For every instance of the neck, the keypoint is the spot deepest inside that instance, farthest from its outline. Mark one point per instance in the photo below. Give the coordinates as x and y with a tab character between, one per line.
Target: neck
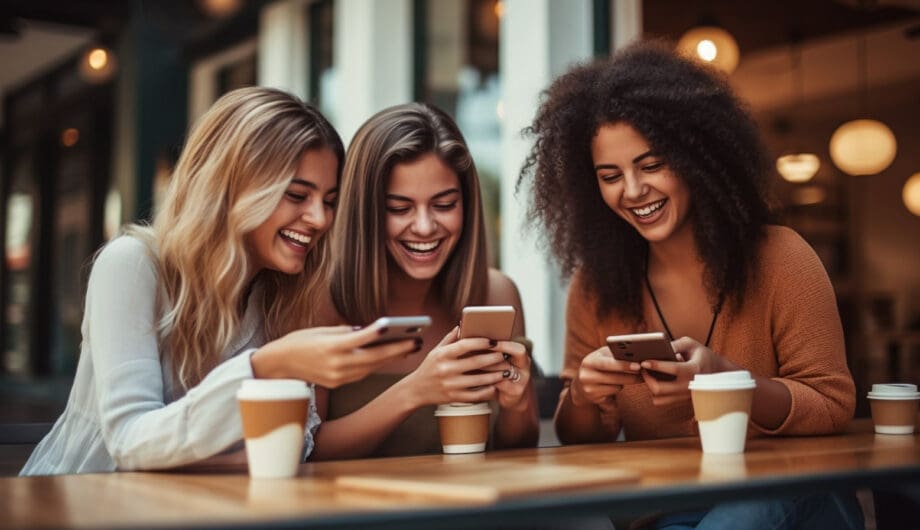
678	253
406	295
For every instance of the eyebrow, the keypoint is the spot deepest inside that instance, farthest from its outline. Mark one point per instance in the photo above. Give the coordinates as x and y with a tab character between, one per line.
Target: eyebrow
441	195
312	186
634	161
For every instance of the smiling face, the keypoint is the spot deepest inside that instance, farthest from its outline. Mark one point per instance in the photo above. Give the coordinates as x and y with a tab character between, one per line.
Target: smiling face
637	184
424	218
282	242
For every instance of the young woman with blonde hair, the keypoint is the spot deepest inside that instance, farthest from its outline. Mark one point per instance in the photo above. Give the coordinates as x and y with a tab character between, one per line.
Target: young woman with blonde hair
179	313
410	240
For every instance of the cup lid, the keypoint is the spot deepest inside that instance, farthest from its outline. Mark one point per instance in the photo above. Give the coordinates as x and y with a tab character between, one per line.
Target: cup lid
271	389
894	391
734	380
463	409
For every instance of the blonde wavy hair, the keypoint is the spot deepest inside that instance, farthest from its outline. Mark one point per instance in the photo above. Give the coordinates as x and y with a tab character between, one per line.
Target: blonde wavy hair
237	163
400	134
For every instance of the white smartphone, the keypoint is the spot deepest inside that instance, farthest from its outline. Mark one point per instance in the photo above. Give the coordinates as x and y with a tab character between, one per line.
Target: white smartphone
400	328
640	347
494	322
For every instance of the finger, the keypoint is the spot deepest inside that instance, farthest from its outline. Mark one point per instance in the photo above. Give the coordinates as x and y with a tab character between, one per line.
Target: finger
662	388
610	378
479	361
363	336
383	352
497	367
474	396
611	365
684	344
515	350
470	381
665	367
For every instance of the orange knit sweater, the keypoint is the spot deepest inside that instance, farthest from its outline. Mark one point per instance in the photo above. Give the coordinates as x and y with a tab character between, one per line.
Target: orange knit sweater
788	329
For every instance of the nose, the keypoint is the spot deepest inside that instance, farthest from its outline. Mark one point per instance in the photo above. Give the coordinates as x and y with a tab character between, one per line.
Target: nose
424	224
635	185
314	214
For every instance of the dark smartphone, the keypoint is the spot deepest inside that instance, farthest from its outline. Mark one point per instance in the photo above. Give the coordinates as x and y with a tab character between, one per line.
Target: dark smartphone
643	347
400	328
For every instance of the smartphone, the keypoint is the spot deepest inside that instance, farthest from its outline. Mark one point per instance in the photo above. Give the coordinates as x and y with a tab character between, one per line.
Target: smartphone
494	322
643	347
400	328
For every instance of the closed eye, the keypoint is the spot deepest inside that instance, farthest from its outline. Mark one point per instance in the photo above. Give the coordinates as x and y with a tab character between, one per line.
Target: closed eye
653	167
611	177
295	197
446	206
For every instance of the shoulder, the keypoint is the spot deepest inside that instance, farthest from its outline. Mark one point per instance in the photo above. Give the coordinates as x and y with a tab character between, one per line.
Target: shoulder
502	289
124	257
787	259
783	248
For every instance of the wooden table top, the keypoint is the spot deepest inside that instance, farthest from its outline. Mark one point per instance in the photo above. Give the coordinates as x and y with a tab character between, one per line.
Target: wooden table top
666	474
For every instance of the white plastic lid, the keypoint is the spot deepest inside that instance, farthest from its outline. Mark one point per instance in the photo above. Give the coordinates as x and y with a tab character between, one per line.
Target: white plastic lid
463	409
735	380
894	391
272	389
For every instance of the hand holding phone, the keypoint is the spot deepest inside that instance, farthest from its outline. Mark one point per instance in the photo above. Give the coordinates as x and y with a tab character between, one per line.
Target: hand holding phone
399	328
639	347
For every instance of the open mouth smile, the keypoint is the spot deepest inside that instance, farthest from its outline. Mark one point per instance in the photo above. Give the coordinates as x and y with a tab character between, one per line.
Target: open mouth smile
421	248
295	238
648	210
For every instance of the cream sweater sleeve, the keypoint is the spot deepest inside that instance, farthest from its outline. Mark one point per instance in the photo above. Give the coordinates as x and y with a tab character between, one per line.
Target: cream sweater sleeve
140	429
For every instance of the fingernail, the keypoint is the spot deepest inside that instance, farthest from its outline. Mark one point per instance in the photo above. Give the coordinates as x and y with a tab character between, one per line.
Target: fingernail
493	342
418	348
383	330
418	342
506	373
355	328
506	356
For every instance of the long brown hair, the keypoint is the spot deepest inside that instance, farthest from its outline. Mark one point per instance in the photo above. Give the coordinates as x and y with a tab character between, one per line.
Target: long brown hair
237	163
359	272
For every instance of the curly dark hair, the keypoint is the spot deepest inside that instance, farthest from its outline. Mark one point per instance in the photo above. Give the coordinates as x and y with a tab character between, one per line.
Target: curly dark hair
690	117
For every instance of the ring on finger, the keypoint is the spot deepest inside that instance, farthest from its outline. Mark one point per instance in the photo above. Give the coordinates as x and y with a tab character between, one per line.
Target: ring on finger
515	375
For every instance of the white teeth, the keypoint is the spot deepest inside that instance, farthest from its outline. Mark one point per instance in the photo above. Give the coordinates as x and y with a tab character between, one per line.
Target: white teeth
646	211
296	236
421	247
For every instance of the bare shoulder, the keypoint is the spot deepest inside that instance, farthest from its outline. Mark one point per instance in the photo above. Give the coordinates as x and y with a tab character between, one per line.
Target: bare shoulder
502	290
325	313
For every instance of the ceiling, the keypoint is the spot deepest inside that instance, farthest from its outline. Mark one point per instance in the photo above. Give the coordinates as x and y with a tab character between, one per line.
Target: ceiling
764	24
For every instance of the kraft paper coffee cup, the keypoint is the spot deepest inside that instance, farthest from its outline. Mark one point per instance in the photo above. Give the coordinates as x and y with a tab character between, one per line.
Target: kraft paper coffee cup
722	406
464	427
894	407
274	414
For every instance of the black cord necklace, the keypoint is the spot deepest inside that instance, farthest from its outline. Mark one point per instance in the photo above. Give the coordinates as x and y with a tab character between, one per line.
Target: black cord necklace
712	325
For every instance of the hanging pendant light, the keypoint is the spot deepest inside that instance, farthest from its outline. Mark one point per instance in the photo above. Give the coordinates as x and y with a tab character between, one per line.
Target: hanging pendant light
797	166
911	194
863	146
98	64
711	44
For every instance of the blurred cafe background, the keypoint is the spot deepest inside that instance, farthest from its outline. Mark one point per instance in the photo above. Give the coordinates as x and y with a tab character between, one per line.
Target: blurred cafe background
97	96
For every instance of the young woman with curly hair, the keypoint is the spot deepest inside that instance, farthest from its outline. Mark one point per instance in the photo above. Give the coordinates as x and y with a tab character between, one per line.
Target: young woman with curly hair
649	178
179	313
410	240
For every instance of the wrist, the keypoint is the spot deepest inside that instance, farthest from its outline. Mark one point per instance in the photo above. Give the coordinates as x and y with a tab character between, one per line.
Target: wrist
408	393
268	362
575	397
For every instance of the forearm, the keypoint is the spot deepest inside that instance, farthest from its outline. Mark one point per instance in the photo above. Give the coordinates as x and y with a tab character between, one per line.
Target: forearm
361	432
518	428
579	423
772	403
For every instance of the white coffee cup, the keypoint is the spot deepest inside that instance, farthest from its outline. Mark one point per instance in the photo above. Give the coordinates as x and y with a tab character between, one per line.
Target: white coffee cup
274	414
894	407
722	406
464	427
